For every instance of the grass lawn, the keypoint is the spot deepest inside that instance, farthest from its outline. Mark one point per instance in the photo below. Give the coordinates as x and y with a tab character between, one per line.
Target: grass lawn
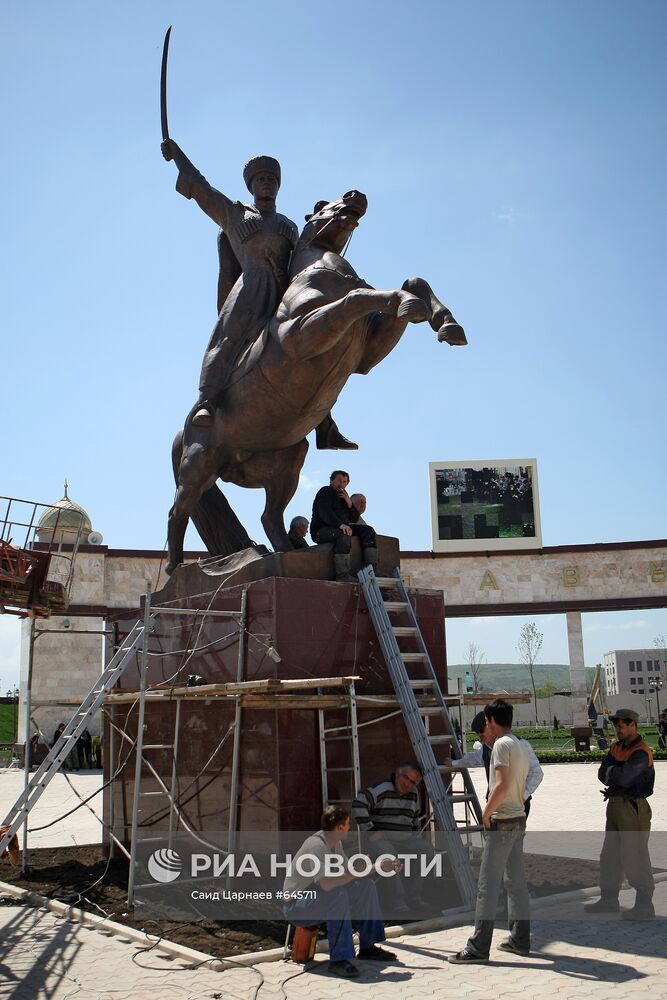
8	719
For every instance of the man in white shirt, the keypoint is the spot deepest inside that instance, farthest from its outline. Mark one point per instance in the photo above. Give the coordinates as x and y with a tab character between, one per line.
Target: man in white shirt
504	818
480	756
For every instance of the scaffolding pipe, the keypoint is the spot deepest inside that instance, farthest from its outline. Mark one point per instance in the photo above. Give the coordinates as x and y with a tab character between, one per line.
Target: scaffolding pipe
26	748
139	748
172	793
240	671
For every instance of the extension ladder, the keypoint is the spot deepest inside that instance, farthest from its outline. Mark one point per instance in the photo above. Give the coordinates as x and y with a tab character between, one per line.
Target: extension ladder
412	673
52	763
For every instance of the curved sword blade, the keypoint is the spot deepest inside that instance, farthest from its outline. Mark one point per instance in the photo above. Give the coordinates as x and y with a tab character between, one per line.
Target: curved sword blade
163	86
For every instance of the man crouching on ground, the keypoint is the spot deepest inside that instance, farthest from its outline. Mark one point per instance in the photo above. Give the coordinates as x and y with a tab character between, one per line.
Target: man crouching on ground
339	899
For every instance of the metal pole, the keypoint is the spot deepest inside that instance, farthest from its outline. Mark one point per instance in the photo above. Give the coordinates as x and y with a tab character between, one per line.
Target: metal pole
657	684
323	754
240	672
112	771
138	750
172	792
26	769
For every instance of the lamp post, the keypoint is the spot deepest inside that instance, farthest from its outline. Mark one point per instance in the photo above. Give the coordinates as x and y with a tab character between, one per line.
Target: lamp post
655	684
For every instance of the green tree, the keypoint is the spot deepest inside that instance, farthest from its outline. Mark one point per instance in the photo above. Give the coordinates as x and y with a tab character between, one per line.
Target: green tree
546	690
529	646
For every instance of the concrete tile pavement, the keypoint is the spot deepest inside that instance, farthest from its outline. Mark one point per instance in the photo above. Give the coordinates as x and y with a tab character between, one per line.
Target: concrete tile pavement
575	957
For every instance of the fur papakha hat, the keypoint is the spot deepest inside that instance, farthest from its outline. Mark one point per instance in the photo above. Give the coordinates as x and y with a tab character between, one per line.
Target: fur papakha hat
256	165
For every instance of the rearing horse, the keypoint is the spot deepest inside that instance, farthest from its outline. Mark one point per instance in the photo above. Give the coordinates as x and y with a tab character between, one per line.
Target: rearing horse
329	325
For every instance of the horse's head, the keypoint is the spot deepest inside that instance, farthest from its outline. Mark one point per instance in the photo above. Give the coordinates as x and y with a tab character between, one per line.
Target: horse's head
331	222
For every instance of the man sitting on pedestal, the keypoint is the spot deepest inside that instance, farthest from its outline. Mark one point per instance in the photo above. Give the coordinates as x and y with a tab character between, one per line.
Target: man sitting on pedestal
298	530
335	519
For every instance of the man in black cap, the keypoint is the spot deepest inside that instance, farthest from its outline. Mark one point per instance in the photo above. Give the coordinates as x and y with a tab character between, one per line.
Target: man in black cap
629	776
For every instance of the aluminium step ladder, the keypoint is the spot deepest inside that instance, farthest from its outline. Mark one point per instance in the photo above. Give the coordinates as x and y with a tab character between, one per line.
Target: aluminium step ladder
349	733
52	763
412	673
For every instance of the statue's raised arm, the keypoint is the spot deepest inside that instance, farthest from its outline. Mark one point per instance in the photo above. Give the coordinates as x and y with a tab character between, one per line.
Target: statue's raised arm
192	184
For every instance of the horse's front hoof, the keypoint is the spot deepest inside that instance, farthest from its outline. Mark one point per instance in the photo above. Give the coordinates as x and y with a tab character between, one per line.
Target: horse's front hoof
452	334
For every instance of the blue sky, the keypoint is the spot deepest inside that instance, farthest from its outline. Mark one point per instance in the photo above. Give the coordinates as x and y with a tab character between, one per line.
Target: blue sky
514	154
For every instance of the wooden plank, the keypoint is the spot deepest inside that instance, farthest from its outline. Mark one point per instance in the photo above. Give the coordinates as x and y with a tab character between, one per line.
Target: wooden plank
208	691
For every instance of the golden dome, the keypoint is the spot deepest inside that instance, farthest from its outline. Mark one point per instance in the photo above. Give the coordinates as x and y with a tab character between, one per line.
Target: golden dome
67	518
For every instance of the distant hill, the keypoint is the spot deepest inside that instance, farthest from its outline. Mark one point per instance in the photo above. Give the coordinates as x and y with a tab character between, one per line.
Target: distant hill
516	676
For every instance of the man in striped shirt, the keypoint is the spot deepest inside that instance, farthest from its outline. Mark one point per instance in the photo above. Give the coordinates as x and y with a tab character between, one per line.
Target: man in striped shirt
388	815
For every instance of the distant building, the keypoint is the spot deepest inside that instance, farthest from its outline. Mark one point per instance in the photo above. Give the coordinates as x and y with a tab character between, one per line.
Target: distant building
628	671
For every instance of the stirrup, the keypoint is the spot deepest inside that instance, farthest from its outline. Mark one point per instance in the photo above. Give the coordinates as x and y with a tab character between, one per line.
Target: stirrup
203	417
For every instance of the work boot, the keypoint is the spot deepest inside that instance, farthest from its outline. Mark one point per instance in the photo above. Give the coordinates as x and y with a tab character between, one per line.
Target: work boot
371	558
605	904
642	910
328	437
342	568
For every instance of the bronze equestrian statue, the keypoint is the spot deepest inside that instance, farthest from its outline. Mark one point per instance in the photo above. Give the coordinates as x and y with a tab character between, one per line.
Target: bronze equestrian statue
328	325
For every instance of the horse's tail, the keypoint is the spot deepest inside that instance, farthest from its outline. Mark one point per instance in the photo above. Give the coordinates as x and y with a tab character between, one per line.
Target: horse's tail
218	526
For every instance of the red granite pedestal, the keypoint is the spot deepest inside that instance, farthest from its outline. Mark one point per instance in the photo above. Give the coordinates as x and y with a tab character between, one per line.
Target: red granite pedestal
318	629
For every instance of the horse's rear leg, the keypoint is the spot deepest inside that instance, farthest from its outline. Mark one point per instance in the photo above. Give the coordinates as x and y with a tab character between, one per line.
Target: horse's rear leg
441	320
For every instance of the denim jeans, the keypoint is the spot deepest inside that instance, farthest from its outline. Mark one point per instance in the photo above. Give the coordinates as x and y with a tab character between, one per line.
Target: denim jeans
357	901
502	860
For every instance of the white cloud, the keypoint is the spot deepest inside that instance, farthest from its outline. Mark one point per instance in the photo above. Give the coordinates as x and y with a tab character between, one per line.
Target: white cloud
506	215
630	626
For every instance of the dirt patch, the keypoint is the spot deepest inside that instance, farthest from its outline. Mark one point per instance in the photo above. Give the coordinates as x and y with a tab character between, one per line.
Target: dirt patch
81	876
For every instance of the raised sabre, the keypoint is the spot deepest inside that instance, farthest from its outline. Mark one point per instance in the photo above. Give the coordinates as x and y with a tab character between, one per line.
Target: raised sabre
163	87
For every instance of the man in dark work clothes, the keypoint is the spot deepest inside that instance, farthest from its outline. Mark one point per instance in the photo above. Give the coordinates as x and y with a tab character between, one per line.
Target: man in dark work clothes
335	520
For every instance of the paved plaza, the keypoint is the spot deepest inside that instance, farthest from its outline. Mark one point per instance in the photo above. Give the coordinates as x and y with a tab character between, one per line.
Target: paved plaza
575	956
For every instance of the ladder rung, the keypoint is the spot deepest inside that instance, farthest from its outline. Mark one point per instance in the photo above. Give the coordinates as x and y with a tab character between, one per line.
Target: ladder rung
387	581
441	739
158	792
403	630
471	829
413	658
430	711
331	770
157	746
461	797
421	683
396	605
